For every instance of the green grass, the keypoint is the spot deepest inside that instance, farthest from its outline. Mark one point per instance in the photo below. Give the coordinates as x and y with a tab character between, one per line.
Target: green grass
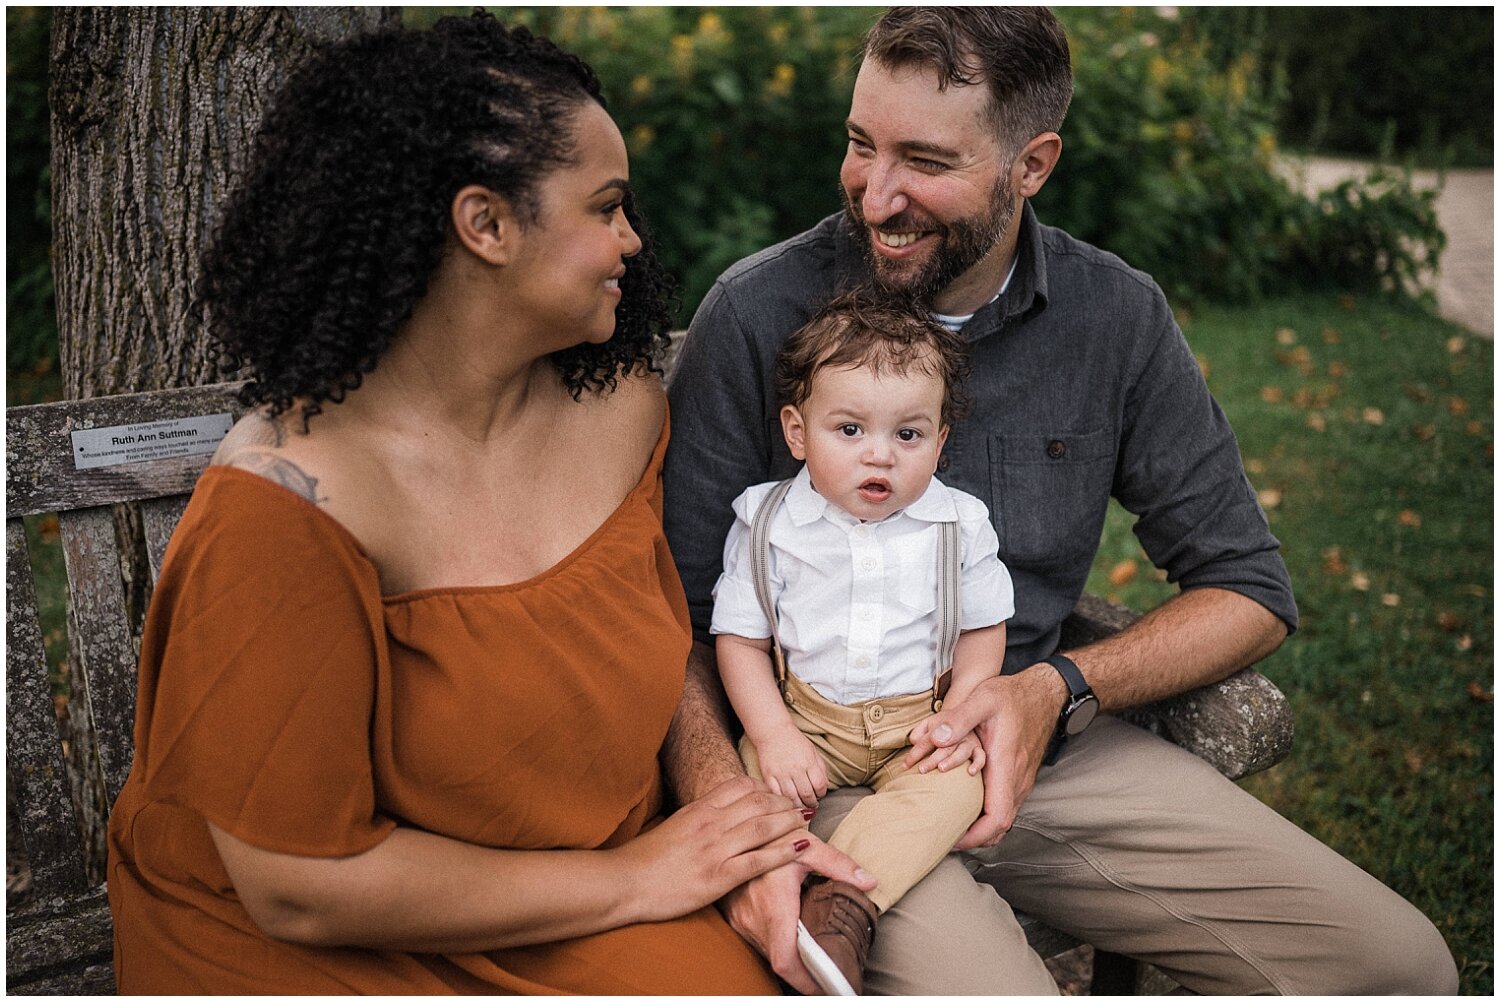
1368	429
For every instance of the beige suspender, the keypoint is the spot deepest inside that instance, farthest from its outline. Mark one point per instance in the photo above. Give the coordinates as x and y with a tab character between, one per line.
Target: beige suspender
948	602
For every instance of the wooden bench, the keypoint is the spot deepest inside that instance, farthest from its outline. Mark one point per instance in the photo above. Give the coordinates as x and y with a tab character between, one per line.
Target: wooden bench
60	939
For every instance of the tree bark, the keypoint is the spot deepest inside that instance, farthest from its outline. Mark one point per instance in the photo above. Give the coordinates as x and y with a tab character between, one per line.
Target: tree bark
153	111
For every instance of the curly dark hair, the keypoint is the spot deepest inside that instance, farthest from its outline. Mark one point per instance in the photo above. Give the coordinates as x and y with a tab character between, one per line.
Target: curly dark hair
874	327
342	216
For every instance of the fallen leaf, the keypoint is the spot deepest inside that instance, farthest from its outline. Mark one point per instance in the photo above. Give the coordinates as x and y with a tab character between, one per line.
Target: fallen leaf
1465	642
1359	581
1317	422
1255	466
1271	394
1413	762
1338	370
1449	622
1333	561
1302	397
1373	415
1390	599
1477	694
1455	345
1286	336
1474	427
1331	336
46	528
1301	355
1409	518
1269	498
1458	406
1122	573
1346	302
1424	432
1417	393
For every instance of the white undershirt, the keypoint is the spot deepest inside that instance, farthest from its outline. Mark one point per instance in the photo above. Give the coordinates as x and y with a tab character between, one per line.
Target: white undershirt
956	324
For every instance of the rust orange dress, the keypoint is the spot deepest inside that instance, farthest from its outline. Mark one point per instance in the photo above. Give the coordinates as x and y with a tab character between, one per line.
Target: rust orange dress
288	701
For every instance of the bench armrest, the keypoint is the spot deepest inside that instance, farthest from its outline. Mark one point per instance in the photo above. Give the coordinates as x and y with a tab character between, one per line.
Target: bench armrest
1241	725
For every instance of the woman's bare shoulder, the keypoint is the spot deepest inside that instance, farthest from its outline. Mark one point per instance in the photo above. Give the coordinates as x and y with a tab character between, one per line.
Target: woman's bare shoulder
275	449
632	414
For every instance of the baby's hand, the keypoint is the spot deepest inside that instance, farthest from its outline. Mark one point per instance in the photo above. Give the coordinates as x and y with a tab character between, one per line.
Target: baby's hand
792	767
926	755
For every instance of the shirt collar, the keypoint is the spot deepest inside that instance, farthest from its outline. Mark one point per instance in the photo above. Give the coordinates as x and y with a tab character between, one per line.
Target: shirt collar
804	505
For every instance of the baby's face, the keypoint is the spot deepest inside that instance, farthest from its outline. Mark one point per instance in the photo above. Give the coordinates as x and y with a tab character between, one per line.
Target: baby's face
871	443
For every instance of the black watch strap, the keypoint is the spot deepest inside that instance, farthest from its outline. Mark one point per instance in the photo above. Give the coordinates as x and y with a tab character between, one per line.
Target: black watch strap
1079	693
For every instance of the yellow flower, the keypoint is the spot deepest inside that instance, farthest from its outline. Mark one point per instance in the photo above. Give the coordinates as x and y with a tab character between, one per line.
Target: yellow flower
1266	144
682	54
641	86
710	24
1237	84
782	79
1160	69
778	33
641	138
1182	130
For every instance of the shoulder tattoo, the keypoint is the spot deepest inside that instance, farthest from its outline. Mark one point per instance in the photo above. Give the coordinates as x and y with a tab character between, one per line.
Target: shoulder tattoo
280	471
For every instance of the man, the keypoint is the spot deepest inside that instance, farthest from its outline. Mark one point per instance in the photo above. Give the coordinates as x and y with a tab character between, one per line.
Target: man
1083	388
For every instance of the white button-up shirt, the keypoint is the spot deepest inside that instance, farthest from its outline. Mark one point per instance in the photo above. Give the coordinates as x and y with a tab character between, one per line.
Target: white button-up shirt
857	601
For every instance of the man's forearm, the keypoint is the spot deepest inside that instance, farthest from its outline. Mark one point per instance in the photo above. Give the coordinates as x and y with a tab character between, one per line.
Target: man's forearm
698	753
1194	639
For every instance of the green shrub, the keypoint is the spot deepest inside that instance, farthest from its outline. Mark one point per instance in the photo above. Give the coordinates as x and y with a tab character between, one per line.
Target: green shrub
1169	162
1420	78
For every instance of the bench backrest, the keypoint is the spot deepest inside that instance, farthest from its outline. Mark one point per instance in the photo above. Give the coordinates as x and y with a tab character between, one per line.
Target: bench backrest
78	460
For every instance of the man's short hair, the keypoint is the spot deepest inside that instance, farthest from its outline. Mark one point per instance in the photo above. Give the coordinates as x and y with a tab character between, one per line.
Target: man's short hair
1020	52
872	328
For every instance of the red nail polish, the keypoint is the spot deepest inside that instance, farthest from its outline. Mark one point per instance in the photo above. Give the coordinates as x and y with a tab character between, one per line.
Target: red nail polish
800	844
807	813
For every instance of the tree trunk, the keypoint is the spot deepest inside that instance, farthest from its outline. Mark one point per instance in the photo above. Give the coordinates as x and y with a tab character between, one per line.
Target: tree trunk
153	113
153	110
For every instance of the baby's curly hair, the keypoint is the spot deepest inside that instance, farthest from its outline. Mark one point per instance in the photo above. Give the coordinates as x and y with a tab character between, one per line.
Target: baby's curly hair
343	213
881	330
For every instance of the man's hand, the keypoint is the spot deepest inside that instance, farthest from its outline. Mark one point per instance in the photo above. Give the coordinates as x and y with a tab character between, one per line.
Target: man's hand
1015	716
764	911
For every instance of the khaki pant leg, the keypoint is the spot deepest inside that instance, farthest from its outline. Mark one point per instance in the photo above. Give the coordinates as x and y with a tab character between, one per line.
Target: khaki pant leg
1139	847
910	823
948	935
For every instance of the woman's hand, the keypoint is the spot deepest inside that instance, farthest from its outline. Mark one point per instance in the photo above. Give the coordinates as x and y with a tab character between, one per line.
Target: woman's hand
791	766
713	845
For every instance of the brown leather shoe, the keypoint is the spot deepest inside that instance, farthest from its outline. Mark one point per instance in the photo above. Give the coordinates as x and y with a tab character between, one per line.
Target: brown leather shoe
840	924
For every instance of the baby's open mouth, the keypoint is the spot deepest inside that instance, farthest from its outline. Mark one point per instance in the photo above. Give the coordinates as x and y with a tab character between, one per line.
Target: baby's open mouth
875	490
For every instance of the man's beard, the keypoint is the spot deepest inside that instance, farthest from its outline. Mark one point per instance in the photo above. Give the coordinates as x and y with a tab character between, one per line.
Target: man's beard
963	244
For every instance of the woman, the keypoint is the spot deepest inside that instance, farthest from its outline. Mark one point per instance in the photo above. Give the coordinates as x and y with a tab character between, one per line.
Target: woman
418	639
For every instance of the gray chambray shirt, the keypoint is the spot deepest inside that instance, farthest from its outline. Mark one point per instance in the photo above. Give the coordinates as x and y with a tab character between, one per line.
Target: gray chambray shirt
1083	387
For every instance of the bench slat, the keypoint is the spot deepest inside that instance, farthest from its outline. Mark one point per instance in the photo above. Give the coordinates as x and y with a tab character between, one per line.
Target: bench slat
40	471
67	950
104	656
160	516
33	753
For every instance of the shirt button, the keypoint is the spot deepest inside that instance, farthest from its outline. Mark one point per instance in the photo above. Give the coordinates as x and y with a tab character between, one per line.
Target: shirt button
1056	449
876	712
868	563
866	615
862	661
860	530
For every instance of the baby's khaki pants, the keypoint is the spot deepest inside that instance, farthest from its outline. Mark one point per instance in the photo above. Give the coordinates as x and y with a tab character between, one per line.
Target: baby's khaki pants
913	819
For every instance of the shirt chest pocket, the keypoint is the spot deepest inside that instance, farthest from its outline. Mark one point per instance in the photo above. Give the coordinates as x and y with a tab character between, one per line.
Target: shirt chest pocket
1050	492
915	572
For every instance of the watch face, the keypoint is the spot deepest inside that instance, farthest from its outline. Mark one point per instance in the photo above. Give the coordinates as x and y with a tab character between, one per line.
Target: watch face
1083	713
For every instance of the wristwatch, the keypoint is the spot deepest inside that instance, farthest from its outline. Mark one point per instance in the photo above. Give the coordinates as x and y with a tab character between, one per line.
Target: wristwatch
1078	713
